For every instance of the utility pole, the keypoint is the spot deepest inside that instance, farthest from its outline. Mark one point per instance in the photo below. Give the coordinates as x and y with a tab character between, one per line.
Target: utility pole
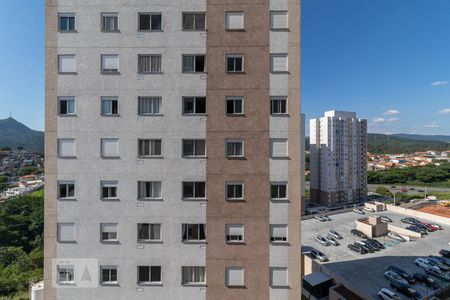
394	199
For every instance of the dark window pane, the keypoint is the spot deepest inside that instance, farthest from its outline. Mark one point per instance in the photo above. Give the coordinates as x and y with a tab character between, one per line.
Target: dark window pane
63	107
155	274
200	63
202	234
283	107
238	106
105	192
144	22
71	23
195	232
188	106
230	64
274	192
230	107
238	191
200	105
63	190
188	147
200	190
144	274
230	191
156	22
143	230
188	190
200	147
71	190
238	62
200	21
113	274
188	21
115	107
282	191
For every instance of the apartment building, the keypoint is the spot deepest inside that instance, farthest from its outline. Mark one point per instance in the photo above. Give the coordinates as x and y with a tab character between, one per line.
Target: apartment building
173	149
338	154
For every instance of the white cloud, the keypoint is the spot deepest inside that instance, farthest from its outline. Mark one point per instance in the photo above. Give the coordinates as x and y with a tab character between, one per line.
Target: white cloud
444	111
438	83
391	112
379	120
390	120
432	125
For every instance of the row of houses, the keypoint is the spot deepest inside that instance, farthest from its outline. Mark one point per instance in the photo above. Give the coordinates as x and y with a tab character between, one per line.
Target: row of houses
389	161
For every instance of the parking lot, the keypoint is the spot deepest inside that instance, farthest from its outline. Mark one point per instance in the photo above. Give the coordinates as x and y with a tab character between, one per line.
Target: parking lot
366	271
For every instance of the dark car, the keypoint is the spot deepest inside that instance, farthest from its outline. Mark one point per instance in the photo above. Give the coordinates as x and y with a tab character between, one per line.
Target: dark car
411	221
358	233
417	229
379	245
357	248
427	280
319	255
385	219
441	259
402	273
406	290
445	253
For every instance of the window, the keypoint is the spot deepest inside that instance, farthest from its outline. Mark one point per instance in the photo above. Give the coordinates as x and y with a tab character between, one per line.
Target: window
279	276
234	105
193	148
148	190
149	148
108	275
110	22
278	233
66	22
278	148
193	232
235	233
148	64
279	20
66	274
148	275
193	275
235	20
194	63
110	106
109	232
235	148
235	190
149	232
66	190
110	148
150	21
194	105
278	105
66	148
194	190
234	276
194	21
235	63
109	190
148	106
278	191
279	63
66	232
67	64
66	106
110	63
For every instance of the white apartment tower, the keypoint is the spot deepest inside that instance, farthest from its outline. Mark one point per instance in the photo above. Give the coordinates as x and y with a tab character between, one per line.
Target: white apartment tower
338	159
173	149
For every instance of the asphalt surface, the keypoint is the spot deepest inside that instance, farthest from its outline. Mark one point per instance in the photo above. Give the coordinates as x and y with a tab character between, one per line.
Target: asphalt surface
366	271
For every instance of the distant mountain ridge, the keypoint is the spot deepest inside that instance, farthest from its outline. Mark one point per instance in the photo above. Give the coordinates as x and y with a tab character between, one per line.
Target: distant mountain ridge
16	135
421	137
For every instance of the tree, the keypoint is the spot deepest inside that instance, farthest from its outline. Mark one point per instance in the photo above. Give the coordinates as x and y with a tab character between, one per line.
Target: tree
382	190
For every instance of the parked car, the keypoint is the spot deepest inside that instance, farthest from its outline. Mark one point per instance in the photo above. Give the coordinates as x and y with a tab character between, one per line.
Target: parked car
417	229
393	276
368	248
321	240
441	259
422	227
430	227
411	189
377	243
439	264
393	186
358	211
421	191
319	255
427	280
438	226
396	237
357	248
445	253
425	263
406	290
332	240
358	233
411	221
335	234
369	209
402	273
385	219
387	294
438	273
321	218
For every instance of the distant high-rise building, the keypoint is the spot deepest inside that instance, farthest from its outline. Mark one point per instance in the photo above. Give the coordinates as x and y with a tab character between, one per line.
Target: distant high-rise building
338	159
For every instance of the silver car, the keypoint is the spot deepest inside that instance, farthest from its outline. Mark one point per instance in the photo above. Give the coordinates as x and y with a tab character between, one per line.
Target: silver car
396	237
335	234
332	240
321	240
393	276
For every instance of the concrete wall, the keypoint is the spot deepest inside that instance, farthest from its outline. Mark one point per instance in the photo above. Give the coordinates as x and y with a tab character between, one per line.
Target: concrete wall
412	235
419	214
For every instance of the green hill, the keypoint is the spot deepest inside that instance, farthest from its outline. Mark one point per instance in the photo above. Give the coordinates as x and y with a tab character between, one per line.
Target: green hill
14	134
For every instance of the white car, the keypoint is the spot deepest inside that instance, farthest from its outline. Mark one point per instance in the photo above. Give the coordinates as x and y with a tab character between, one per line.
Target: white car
321	218
424	263
396	237
369	209
393	276
387	294
358	211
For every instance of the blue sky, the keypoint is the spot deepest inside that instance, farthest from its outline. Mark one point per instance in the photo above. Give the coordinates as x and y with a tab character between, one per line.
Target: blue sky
387	60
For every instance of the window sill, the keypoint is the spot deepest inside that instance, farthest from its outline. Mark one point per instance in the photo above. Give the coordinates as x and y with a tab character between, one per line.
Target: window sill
150	199
195	199
279	72
235	200
151	73
67	31
110	242
235	30
279	200
67	73
194	30
235	242
235	115
110	157
236	286
194	242
112	284
151	157
149	30
67	283
236	157
194	114
196	73
110	116
279	115
150	241
280	29
279	286
67	242
235	72
150	284
67	115
109	73
110	31
280	157
67	157
67	199
193	157
277	243
150	115
110	199
202	284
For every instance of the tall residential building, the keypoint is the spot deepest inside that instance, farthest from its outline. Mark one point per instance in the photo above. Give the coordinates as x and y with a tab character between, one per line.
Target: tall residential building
173	149
338	159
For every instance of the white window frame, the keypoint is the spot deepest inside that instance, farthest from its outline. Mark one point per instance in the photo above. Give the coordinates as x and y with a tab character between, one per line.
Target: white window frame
149	240
109	184
67	15
234	141
195	14
151	14
279	140
279	12
67	99
195	196
195	71
152	99
69	270
230	237
234	183
152	188
278	240
272	284
193	270
227	276
193	240
59	226
74	148
278	55
228	24
102	149
102	231
66	183
61	57
272	104
151	147
278	184
194	155
234	99
109	282
110	100
194	99
105	15
150	57
150	282
109	71
234	56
